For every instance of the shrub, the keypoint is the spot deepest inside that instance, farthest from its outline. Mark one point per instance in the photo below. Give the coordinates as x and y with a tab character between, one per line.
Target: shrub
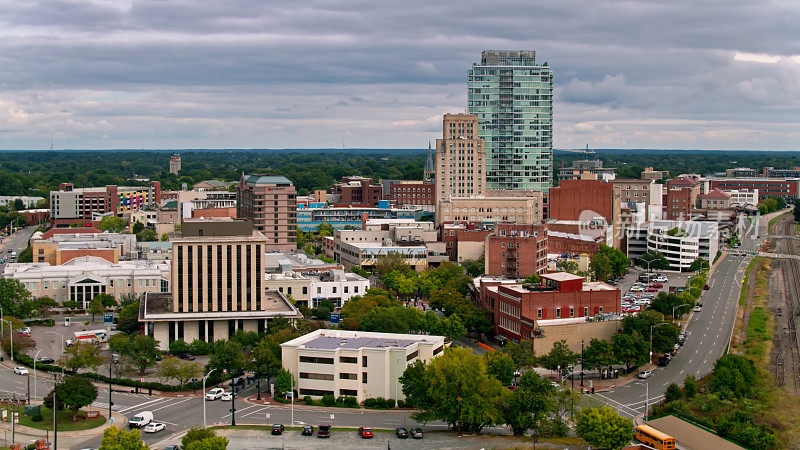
328	400
390	403
31	447
401	403
351	402
380	403
308	400
369	403
37	418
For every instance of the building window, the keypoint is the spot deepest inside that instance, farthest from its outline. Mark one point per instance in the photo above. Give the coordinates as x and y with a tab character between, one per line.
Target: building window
348	392
316	376
413	355
558	313
348	376
539	313
363	361
348	359
364	377
437	350
571	311
316	360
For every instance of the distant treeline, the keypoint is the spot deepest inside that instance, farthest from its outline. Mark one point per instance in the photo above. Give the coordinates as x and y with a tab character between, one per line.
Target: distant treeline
37	172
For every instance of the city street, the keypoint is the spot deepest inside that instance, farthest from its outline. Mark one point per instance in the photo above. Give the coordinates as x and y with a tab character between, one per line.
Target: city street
16	242
708	335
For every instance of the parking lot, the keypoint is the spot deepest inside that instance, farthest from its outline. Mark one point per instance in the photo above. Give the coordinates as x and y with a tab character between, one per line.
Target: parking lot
635	294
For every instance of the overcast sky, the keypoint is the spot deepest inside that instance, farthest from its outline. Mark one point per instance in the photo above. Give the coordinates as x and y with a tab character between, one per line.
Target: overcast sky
259	74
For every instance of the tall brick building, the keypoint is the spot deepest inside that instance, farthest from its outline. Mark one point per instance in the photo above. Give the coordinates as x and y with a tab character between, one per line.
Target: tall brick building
573	197
355	190
460	159
270	202
516	250
681	196
411	193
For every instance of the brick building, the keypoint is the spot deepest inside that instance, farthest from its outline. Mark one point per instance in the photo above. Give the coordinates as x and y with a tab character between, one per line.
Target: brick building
516	250
767	187
573	197
681	198
70	205
515	309
411	193
355	190
270	203
464	241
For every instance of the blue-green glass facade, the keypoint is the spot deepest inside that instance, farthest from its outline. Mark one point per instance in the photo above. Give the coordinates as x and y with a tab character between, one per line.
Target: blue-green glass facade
513	99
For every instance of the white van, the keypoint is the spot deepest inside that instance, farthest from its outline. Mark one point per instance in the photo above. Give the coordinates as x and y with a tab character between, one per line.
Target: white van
141	419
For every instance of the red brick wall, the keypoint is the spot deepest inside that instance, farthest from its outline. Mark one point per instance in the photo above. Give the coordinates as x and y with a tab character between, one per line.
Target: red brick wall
572	197
107	254
558	245
214	212
412	193
516	256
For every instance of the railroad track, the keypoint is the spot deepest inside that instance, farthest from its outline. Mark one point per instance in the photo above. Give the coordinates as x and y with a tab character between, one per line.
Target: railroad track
788	357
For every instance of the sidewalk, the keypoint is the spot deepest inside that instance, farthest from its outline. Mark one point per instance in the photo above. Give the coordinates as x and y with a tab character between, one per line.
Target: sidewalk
27	435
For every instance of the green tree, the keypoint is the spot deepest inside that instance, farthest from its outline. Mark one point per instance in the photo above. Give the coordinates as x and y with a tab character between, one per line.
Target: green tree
602	427
530	403
81	356
22	343
128	319
619	262
212	443
735	376
690	386
111	223
660	261
18	204
140	349
283	381
459	391
522	353
120	439
137	227
672	393
147	236
178	347
164	237
15	300
560	356
96	307
195	434
500	366
228	355
630	348
43	305
392	262
598	355
356	308
698	264
75	393
107	300
533	279
451	327
601	267
25	256
179	370
475	268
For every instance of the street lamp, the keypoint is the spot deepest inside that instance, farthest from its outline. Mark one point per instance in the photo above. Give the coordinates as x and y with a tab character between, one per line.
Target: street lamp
35	392
651	338
114	360
676	307
204	395
63	339
11	336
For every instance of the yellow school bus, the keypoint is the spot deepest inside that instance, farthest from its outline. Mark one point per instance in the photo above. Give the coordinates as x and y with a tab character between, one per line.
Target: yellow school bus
654	438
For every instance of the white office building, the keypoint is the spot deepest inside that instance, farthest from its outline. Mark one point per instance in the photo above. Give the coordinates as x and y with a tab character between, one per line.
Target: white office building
681	242
355	363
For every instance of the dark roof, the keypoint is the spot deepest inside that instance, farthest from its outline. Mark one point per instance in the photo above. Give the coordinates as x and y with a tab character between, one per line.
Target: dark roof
267	179
716	193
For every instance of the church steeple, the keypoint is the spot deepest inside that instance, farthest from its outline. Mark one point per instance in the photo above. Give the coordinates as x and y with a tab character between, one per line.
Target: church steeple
430	167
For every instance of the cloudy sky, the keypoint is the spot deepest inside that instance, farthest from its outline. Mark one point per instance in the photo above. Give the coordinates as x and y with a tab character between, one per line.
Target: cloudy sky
721	74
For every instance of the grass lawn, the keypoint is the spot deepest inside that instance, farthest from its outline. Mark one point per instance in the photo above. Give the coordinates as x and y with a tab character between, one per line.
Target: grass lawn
65	422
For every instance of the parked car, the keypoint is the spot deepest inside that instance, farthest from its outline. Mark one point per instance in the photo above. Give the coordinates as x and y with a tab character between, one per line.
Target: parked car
651	289
645	374
172	447
416	433
365	432
20	370
706	287
236	381
187	356
657	285
46	360
663	360
154	427
214	394
226	396
140	420
401	433
697	309
324	431
308	430
277	429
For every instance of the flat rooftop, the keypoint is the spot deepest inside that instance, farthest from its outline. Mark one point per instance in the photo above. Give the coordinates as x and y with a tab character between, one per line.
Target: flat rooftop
561	276
159	307
335	339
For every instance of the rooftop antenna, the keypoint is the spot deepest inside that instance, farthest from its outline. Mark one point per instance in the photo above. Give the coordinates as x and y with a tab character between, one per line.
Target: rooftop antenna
51	139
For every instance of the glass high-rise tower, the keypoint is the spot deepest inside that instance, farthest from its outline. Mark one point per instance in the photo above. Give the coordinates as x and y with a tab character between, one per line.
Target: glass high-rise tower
513	99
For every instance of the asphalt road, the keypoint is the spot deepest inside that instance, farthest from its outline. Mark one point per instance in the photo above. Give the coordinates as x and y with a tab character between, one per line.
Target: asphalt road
708	336
17	242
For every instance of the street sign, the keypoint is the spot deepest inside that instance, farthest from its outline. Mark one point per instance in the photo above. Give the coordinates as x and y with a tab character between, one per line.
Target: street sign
108	318
332	417
268	416
111	421
66	321
334	317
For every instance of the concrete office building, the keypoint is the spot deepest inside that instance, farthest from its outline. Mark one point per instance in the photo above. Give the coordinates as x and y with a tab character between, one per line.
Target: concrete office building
681	242
83	278
460	159
62	247
70	205
357	364
512	97
270	203
218	285
582	167
788	188
495	206
649	174
175	164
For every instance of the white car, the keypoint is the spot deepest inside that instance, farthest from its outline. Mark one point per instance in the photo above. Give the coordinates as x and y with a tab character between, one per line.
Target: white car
637	289
696	309
20	370
214	394
154	427
645	374
226	397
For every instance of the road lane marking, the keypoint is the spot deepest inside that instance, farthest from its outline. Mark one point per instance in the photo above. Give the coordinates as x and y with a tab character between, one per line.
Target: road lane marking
140	405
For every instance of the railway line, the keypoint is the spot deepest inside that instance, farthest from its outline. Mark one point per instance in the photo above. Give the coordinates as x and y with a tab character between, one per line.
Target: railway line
786	350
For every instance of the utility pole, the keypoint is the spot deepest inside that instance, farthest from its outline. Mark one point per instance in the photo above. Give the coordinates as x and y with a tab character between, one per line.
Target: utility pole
458	406
233	406
55	418
581	362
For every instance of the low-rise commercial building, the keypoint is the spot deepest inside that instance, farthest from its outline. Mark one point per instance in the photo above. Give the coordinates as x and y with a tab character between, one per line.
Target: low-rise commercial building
715	199
493	207
357	364
412	193
366	255
516	250
83	278
681	197
70	205
788	188
649	174
581	167
681	242
464	241
310	216
516	309
62	247
356	191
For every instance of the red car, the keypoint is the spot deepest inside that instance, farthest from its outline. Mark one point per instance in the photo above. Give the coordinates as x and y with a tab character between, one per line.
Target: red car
652	289
657	285
365	432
